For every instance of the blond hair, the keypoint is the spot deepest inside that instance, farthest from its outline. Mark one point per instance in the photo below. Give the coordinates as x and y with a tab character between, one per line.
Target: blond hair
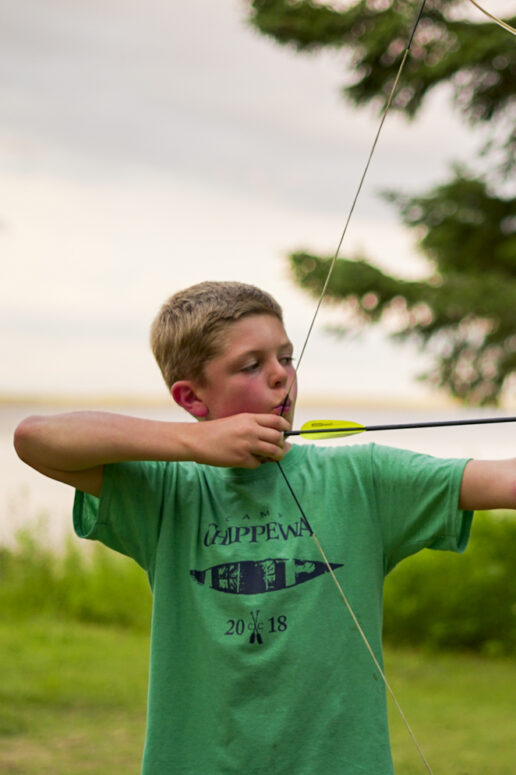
189	329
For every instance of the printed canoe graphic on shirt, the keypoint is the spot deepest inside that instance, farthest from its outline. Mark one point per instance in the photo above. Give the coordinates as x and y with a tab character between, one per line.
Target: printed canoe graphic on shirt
250	577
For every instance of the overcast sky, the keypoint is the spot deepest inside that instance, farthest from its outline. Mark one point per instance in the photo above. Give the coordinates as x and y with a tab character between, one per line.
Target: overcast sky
145	146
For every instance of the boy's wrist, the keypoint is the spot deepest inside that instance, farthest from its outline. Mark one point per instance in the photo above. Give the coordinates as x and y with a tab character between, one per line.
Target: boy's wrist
186	440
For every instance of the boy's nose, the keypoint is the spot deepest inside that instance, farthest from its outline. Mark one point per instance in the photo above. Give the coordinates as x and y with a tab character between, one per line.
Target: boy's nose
278	375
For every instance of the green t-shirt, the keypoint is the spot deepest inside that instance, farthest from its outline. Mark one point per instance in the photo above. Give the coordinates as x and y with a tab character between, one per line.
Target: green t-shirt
256	665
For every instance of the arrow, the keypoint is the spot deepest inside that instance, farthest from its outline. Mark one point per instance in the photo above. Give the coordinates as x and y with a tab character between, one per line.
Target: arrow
327	429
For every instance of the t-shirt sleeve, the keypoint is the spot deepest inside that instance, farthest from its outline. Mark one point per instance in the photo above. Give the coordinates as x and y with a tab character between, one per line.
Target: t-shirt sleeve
127	516
418	500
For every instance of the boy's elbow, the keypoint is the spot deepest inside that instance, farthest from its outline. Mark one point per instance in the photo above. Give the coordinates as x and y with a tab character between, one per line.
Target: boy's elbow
26	436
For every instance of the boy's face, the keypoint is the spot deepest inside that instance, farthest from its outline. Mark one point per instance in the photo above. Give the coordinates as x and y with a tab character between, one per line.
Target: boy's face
253	371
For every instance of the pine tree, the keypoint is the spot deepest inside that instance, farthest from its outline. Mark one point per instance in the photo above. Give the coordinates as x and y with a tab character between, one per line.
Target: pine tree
464	313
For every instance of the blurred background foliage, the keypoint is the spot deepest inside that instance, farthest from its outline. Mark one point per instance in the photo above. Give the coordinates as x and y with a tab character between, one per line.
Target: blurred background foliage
83	583
436	600
458	602
463	313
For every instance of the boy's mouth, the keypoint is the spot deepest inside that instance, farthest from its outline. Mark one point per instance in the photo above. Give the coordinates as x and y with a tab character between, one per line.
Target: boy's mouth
282	408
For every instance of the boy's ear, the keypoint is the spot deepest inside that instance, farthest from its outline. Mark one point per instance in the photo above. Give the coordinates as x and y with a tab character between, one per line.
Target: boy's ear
184	394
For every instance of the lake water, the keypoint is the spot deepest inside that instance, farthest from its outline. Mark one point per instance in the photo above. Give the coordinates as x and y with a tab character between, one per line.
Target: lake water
26	497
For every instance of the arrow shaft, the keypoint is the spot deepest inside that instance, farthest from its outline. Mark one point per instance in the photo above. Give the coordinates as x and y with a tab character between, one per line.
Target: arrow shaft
407	426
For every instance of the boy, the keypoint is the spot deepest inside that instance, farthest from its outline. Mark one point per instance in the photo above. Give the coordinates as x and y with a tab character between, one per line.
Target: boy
255	664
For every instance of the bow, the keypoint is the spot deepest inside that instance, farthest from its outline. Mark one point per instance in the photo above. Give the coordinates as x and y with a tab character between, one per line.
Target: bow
324	429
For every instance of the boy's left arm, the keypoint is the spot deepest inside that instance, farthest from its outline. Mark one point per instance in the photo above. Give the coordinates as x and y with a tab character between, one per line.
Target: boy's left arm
488	484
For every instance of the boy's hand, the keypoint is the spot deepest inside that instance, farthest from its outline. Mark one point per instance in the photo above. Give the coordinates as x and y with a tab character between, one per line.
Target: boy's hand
242	440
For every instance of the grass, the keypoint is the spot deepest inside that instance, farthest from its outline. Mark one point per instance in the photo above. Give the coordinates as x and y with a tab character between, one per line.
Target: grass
73	695
72	698
461	708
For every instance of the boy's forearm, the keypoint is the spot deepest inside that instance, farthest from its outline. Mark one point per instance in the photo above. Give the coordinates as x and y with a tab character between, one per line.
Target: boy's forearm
82	440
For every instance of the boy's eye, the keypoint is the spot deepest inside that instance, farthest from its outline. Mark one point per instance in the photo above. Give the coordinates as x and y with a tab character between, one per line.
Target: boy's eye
250	366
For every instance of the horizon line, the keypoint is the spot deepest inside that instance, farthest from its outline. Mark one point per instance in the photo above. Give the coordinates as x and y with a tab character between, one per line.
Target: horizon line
110	399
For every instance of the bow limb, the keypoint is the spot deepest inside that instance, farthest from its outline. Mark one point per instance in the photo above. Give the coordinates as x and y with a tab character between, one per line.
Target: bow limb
495	19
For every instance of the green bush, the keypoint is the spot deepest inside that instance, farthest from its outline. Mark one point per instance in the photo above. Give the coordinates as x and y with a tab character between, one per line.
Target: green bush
450	601
89	584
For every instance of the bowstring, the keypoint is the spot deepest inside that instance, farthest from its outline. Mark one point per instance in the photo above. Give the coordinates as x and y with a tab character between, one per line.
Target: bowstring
289	389
357	194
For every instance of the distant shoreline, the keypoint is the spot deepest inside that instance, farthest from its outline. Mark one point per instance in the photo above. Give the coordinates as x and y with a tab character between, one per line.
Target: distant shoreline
437	401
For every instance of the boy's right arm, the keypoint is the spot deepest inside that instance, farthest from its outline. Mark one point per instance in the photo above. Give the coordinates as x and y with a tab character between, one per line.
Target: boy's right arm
74	447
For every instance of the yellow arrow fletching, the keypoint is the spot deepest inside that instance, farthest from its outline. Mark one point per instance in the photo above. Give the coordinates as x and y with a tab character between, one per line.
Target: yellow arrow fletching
329	429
